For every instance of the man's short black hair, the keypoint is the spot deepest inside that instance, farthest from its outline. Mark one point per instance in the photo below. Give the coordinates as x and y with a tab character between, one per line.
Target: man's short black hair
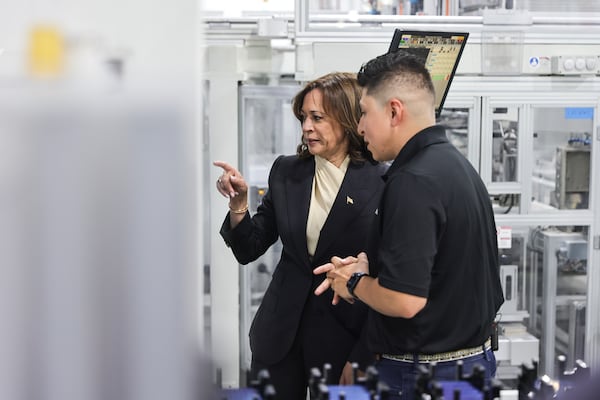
388	67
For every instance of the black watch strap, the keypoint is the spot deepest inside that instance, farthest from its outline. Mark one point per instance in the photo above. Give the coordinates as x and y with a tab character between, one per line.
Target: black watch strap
353	281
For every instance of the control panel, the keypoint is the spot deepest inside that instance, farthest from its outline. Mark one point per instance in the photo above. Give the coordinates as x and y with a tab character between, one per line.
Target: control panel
575	65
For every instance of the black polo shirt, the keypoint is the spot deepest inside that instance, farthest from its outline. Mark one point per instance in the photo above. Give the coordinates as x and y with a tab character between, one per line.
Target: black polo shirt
436	238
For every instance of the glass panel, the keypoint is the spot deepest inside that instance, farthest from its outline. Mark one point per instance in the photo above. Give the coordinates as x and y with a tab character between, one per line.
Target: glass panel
561	163
505	143
375	7
268	129
506	203
544	277
206	215
561	6
456	122
448	8
558	287
477	7
514	314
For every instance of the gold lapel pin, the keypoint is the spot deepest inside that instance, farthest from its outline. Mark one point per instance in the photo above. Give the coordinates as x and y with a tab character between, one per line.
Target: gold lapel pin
349	200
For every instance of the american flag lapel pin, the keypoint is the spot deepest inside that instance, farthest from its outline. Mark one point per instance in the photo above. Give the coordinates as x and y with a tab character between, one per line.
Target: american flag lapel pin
349	200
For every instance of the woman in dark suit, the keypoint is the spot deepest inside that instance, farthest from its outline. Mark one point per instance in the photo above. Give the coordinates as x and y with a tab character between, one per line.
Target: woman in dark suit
320	202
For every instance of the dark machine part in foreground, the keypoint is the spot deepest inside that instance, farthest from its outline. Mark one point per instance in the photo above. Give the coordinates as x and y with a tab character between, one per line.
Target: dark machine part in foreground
259	389
465	387
533	387
368	387
471	386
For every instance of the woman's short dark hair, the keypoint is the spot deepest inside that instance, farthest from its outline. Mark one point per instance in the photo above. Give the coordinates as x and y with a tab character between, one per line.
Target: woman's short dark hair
341	97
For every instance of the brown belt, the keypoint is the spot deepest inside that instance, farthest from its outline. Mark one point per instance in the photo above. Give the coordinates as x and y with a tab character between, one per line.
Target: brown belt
440	357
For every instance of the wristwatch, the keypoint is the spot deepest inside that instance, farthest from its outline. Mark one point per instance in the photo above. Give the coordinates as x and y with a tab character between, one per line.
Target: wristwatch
353	281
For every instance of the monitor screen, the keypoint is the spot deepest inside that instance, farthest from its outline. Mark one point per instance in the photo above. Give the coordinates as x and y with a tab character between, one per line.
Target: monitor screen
440	52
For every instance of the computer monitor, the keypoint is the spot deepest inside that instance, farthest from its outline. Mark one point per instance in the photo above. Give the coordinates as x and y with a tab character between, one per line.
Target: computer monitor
440	51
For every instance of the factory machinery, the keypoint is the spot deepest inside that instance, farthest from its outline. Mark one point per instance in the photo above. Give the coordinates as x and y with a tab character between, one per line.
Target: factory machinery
519	109
544	277
543	267
465	387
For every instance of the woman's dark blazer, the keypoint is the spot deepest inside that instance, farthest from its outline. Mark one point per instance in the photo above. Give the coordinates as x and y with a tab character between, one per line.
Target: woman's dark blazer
283	213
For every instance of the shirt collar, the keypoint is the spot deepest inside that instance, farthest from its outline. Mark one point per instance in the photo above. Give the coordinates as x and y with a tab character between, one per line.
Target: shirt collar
426	137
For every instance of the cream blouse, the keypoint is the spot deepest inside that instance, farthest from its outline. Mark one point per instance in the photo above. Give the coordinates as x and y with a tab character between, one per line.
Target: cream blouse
326	184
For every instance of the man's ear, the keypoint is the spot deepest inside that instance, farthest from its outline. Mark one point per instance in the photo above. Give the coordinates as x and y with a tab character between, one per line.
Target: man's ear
396	109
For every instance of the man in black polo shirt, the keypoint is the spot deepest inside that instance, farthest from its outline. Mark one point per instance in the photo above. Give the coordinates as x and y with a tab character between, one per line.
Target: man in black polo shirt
431	278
